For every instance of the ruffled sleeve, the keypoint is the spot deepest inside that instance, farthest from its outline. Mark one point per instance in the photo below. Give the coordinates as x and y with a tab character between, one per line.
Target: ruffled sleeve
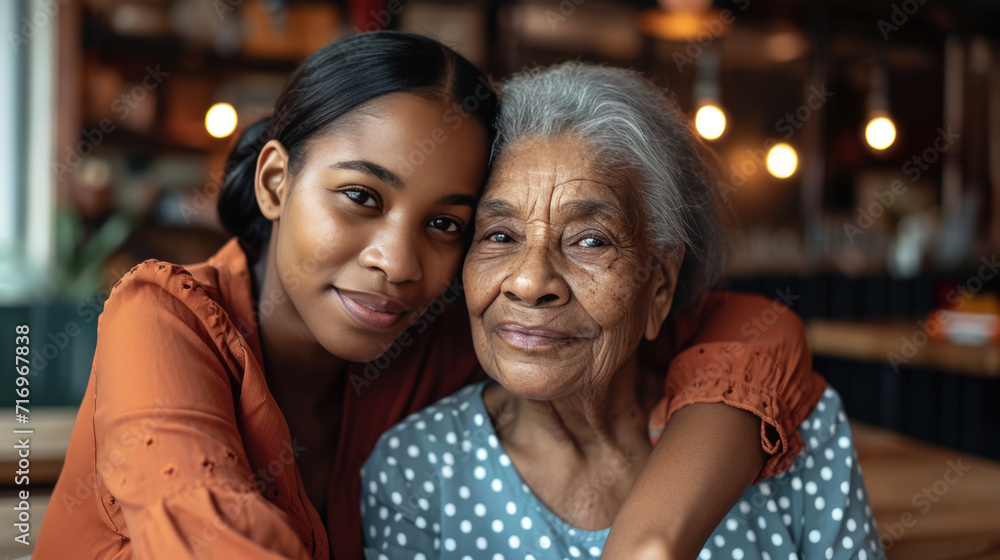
170	459
749	352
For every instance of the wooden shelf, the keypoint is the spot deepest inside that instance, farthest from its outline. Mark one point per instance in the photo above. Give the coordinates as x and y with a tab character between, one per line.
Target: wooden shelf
127	51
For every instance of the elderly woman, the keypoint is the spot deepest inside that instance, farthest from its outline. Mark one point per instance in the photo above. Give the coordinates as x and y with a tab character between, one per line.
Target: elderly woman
600	217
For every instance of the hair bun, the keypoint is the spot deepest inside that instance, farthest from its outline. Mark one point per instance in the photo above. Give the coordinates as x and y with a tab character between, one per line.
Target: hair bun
238	209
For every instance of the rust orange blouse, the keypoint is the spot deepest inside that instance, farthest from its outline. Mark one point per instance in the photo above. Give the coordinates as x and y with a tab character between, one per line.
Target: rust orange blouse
180	451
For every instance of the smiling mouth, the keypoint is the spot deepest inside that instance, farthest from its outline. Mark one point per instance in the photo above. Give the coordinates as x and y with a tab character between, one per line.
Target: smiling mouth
532	339
371	311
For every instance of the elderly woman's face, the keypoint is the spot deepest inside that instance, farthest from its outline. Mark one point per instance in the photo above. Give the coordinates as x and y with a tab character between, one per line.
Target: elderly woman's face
559	282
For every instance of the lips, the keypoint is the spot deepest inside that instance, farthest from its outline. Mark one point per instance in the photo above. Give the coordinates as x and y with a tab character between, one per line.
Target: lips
373	311
532	338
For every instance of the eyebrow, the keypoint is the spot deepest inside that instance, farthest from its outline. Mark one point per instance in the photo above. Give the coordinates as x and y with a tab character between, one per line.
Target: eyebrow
496	207
458	200
373	169
600	208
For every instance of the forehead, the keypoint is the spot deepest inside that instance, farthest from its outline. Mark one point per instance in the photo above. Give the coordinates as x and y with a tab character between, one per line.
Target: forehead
413	136
553	170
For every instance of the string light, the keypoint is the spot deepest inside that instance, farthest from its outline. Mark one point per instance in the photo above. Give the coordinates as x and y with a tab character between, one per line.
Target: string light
220	120
782	161
710	122
880	133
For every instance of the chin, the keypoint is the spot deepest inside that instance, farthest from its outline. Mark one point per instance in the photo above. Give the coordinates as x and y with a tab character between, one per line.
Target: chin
535	383
365	349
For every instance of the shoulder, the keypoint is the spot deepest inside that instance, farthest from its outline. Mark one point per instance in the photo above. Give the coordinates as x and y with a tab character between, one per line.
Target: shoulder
435	438
163	338
749	333
158	294
154	281
755	335
197	287
751	318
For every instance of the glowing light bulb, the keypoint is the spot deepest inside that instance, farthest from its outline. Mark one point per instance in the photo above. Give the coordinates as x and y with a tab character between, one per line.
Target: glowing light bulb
782	161
710	122
220	120
880	133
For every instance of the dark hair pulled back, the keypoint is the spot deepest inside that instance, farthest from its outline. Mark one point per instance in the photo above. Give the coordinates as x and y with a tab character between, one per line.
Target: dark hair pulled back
331	83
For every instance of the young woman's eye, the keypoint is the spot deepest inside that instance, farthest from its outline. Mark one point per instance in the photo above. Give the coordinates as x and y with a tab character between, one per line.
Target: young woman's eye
446	225
362	197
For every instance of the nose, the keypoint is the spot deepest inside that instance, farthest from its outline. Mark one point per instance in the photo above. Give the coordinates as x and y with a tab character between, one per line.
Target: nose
393	253
535	280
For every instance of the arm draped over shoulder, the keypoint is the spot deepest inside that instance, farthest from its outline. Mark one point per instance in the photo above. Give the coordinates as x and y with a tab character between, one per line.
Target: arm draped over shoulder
746	351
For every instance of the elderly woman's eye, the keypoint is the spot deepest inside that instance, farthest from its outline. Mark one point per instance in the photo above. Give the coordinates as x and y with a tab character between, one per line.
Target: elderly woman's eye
446	225
499	237
592	242
362	197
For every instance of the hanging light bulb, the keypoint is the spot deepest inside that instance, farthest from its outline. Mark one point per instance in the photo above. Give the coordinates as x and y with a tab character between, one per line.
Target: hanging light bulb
880	133
782	161
220	120
710	121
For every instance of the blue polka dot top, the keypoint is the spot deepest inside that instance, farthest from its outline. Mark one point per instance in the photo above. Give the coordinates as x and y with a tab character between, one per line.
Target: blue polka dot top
439	485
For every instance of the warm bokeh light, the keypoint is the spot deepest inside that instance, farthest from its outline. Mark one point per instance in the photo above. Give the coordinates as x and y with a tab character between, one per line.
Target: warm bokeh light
696	6
782	161
785	46
681	25
710	122
880	133
220	120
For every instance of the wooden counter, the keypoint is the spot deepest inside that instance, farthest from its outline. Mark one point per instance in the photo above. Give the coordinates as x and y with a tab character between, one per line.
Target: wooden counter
963	522
887	342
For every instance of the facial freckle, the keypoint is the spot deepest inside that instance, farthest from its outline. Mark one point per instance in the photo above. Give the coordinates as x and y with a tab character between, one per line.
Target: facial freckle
554	194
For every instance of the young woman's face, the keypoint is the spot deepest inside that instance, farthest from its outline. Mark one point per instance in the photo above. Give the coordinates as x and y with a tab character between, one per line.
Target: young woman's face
371	227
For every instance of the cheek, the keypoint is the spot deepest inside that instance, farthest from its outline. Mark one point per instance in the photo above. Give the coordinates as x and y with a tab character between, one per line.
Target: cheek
482	278
613	299
313	238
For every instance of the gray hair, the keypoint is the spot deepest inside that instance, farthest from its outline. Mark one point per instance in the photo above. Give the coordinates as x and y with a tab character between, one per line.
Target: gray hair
639	133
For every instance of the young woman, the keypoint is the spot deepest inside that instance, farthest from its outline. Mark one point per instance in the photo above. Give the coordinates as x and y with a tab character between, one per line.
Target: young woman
232	403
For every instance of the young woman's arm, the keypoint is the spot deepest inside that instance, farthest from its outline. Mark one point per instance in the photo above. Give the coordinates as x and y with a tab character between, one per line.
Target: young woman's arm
748	353
172	471
706	458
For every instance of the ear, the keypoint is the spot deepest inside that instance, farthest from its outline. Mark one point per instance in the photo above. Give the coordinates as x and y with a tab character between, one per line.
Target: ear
664	285
272	180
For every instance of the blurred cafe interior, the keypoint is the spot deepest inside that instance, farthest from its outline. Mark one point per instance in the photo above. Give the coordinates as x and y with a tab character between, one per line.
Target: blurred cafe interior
859	142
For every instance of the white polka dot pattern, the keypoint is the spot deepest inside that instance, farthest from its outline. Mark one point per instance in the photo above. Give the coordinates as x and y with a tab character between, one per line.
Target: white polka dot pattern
439	485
